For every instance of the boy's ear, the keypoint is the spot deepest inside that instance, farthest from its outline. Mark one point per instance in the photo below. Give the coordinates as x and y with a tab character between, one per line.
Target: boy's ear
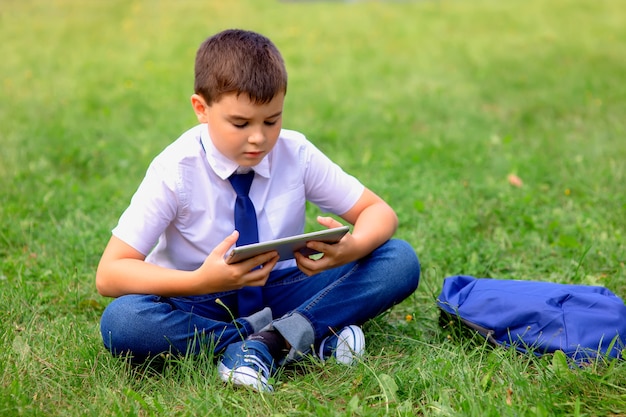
199	107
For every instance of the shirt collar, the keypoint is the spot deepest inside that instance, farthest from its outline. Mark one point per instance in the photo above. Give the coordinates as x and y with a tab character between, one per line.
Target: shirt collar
223	166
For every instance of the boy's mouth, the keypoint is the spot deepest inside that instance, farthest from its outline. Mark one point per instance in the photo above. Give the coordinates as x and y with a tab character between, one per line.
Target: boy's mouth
255	154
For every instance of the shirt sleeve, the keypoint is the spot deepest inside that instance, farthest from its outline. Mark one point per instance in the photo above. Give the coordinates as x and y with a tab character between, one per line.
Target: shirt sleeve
328	185
152	208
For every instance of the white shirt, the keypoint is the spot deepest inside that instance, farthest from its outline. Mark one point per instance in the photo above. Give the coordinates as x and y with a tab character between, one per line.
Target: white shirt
184	206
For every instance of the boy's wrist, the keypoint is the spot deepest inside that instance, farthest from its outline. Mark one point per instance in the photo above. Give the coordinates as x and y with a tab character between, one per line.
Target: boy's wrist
194	283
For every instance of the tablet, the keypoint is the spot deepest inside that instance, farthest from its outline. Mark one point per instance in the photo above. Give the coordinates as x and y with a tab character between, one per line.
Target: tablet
288	245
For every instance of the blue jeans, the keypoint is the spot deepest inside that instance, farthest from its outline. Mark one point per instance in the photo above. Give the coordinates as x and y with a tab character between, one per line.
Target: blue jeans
305	309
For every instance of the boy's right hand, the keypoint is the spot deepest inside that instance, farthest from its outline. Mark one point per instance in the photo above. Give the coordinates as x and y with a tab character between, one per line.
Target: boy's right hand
216	275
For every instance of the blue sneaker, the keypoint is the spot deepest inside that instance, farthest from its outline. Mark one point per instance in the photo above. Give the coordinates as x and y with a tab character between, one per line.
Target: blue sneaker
346	346
247	363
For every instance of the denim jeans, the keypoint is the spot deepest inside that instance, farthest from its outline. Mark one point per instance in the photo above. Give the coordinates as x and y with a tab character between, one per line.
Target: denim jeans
303	309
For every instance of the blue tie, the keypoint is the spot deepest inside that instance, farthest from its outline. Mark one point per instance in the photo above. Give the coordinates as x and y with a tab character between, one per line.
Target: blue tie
250	299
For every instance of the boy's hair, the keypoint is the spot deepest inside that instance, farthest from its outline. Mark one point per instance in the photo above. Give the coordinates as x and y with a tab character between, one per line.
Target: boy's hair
239	61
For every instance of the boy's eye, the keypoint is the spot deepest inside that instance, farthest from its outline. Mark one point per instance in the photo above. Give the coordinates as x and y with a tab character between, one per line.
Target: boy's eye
242	124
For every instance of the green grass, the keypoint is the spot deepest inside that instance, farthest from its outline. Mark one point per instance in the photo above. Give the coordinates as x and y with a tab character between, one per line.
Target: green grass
431	103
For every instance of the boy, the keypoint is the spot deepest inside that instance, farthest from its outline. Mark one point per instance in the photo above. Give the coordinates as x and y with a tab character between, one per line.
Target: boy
165	259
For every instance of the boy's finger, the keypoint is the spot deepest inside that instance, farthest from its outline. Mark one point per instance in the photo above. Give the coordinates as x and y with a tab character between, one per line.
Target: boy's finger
328	222
258	276
307	265
226	244
259	260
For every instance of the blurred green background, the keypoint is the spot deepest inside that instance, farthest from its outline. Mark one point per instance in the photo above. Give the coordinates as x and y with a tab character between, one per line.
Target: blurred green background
432	104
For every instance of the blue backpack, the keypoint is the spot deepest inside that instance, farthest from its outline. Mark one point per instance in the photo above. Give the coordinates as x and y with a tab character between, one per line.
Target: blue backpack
539	317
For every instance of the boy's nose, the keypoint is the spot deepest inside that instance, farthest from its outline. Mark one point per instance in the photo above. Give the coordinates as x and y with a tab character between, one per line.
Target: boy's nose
256	137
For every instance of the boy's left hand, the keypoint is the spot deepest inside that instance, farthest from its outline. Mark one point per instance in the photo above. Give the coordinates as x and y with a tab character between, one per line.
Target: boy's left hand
334	255
374	222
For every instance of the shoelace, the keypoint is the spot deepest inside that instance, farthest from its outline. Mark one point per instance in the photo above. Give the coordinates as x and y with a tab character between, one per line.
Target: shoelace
254	360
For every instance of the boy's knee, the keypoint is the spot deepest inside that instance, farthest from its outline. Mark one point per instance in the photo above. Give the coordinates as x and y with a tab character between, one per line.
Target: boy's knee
119	312
115	320
123	321
403	255
402	266
405	263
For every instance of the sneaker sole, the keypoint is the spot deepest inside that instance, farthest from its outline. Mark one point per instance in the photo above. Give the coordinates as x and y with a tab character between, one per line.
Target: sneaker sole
244	376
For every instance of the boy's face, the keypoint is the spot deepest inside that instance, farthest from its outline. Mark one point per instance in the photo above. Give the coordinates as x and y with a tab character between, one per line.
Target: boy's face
240	129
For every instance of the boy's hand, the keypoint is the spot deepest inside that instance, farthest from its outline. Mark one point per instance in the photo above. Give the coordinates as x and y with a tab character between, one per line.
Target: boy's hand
374	222
216	273
333	254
